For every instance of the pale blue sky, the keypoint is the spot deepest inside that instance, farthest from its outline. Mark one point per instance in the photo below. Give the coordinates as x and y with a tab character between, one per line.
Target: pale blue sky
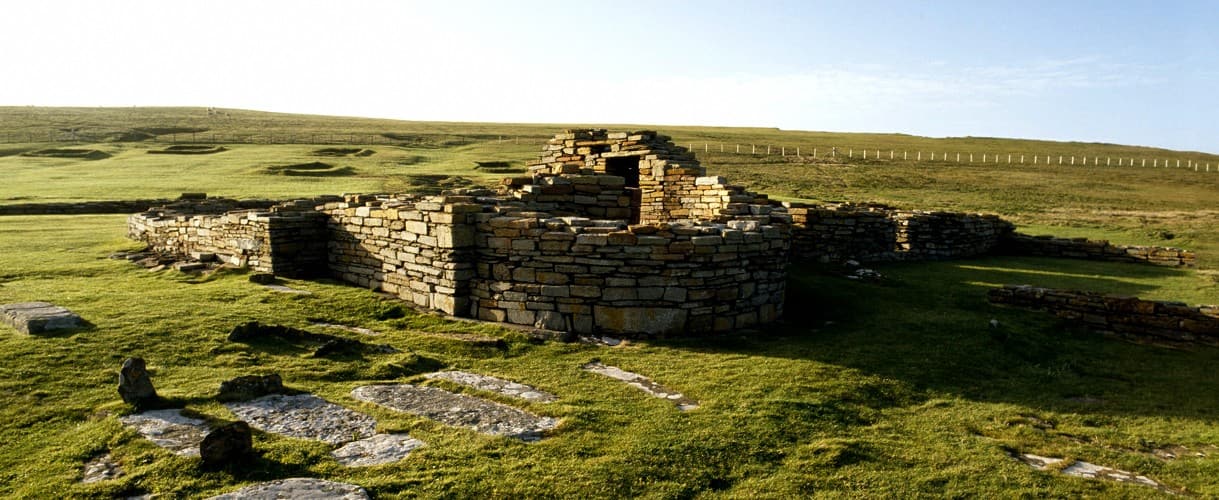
1141	73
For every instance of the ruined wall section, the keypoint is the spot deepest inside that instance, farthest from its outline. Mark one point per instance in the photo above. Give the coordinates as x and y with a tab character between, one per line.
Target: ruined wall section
874	233
595	196
588	276
288	239
1123	316
1083	248
417	248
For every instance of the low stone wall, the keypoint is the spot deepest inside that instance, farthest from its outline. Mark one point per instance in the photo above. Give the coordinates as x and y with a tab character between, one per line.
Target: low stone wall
418	248
583	275
872	233
1083	248
287	239
1128	317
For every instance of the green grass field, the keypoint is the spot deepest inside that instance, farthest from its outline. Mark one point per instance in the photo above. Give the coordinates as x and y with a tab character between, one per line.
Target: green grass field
892	389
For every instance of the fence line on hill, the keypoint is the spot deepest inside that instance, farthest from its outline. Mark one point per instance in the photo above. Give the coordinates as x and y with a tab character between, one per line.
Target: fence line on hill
832	153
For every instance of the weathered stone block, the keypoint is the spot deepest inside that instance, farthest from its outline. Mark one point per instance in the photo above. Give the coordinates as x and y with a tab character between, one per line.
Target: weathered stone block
38	317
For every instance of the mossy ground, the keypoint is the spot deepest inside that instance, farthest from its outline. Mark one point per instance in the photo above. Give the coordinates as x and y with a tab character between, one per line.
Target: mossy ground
891	389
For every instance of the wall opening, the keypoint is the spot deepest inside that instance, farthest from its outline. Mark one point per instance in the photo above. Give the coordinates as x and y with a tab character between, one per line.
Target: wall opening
627	167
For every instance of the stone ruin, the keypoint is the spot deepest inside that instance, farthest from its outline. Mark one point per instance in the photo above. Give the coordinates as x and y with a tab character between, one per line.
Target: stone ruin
618	233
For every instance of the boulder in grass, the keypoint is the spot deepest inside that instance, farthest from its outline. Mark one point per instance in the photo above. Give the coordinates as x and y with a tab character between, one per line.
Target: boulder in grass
230	444
38	317
250	386
135	386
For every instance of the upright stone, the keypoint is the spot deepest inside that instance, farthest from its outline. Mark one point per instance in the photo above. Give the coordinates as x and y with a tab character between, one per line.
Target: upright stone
230	444
135	386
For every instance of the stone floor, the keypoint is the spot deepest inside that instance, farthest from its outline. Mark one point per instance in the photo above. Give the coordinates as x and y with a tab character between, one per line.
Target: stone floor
307	416
458	410
494	384
643	383
38	317
299	488
170	430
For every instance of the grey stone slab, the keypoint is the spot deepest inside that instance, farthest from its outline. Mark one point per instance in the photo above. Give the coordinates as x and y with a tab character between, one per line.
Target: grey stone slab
298	488
376	450
304	416
642	383
1080	468
38	317
101	468
458	410
495	384
169	429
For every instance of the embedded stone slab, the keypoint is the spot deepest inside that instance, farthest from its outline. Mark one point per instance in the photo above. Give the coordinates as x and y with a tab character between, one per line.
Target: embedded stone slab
286	289
376	450
458	410
169	429
298	488
1079	468
38	317
304	416
495	384
642	383
101	468
347	328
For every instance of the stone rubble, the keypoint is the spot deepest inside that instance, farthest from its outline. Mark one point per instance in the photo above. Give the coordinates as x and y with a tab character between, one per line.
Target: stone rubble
169	429
38	317
299	488
643	383
494	384
101	468
458	410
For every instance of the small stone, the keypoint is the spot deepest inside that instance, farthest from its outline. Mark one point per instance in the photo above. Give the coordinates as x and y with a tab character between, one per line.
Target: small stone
262	278
250	387
230	444
135	386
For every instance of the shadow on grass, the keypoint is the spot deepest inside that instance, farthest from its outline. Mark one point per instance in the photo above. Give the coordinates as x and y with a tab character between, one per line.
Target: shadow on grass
929	327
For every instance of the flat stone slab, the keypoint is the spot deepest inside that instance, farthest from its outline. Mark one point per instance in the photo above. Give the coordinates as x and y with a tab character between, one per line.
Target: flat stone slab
1080	468
298	488
38	317
287	289
458	410
642	383
101	469
376	450
495	384
304	416
346	328
169	429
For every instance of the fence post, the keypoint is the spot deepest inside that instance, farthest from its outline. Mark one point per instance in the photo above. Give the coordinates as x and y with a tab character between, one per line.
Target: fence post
705	147
738	148
920	156
814	152
783	151
851	153
754	149
904	155
797	151
865	154
890	154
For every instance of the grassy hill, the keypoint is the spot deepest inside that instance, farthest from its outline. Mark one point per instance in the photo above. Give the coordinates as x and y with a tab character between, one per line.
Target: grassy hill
891	389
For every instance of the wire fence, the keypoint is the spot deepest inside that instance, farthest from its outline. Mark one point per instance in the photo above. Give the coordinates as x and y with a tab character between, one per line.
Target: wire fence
944	156
815	153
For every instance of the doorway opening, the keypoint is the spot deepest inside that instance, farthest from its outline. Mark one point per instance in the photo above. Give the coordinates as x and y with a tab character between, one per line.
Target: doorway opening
627	167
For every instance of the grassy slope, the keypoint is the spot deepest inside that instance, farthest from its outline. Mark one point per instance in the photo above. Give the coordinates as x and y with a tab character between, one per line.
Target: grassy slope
879	390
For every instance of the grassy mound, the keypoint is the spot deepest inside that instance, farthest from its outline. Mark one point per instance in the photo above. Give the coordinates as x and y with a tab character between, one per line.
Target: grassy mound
188	149
343	152
155	131
80	154
311	169
434	183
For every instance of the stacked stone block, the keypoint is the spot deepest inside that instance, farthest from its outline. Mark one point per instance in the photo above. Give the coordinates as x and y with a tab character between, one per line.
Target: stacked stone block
946	235
585	275
1123	316
1083	248
418	248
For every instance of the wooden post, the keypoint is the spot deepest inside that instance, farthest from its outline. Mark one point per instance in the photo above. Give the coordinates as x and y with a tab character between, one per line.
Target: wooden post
738	148
890	154
797	151
920	156
754	149
865	154
721	147
851	153
904	153
814	152
783	151
958	157
705	147
1144	162
1009	158
983	157
768	150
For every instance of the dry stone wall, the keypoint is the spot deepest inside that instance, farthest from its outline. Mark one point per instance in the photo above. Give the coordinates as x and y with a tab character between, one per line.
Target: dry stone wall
1083	248
287	239
1122	316
418	248
839	232
584	275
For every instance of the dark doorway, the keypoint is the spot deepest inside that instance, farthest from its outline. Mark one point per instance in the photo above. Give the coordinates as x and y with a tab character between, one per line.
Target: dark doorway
627	167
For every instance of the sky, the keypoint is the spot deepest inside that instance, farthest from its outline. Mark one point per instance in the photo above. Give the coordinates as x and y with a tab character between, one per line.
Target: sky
1142	73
